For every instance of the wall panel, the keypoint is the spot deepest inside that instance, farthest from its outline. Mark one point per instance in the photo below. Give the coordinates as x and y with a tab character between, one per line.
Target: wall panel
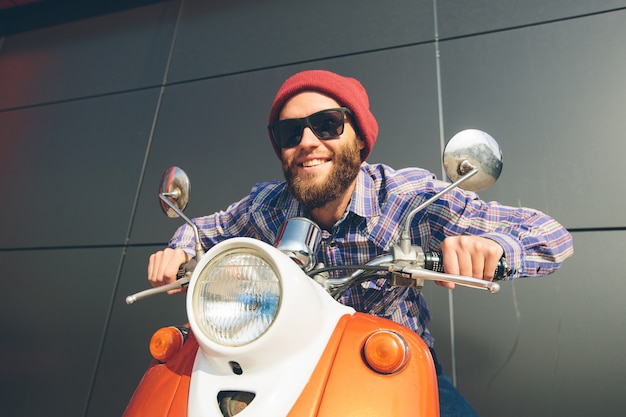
72	170
553	96
461	18
549	346
94	56
227	37
53	308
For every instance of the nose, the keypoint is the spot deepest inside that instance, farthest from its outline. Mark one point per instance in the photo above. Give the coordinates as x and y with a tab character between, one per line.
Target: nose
308	138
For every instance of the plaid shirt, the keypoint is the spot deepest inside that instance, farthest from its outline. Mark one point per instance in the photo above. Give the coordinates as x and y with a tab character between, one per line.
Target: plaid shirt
534	244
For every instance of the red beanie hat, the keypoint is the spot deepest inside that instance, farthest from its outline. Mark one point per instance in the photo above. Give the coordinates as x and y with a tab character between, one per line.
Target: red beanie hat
348	92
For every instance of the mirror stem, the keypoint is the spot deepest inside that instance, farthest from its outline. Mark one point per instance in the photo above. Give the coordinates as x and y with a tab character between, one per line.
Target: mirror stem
198	247
405	238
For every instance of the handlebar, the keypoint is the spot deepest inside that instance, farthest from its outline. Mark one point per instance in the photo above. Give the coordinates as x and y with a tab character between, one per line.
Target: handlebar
182	279
433	261
432	270
404	274
181	283
417	273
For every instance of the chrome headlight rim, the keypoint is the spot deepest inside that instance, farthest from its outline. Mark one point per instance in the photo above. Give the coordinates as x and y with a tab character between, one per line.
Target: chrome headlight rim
235	297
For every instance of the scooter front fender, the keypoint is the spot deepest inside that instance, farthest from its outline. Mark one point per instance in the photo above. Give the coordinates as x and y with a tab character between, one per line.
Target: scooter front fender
344	385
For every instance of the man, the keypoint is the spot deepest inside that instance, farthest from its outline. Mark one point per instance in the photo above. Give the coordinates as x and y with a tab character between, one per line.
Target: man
322	130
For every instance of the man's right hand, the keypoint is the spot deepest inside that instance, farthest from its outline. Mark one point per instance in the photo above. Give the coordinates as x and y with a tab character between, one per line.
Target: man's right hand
163	267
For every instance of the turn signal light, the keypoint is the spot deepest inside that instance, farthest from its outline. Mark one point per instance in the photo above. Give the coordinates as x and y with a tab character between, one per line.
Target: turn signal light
165	343
385	352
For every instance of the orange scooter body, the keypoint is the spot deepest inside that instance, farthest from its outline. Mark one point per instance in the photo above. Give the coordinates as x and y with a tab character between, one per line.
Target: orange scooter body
342	383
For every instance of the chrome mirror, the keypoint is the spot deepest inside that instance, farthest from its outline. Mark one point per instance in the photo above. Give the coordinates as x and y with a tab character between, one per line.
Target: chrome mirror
473	161
471	149
175	188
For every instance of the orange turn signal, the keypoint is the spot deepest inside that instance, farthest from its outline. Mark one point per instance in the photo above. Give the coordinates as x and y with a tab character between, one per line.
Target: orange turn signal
165	343
385	352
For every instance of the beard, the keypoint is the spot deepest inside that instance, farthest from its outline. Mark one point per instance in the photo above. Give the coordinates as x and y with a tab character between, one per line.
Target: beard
313	194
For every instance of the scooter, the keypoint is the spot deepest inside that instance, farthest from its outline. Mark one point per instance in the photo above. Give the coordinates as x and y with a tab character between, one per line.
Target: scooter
267	337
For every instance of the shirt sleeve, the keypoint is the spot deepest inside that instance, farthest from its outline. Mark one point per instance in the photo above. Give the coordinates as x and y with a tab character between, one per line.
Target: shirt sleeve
257	215
534	243
214	228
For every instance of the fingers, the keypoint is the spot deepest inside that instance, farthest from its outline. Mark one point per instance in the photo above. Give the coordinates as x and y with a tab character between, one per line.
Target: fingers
491	261
448	285
472	256
163	266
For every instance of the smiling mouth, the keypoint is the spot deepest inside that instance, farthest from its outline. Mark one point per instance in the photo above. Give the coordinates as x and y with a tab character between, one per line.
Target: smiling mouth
313	163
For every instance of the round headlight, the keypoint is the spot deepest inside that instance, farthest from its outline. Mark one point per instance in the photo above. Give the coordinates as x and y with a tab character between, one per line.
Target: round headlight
236	297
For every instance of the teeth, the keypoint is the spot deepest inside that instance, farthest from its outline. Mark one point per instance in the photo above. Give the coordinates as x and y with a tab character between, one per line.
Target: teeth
313	162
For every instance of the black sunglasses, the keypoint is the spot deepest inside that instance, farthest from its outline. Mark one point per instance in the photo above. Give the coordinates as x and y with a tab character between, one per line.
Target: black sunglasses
325	124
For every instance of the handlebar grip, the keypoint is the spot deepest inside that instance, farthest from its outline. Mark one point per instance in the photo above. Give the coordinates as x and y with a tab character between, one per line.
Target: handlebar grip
434	262
184	268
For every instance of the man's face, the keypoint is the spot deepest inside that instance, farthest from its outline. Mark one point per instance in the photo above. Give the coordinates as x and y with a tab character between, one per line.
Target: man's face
319	171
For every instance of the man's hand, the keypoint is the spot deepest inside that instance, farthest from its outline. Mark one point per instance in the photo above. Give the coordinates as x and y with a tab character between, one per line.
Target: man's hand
471	256
163	267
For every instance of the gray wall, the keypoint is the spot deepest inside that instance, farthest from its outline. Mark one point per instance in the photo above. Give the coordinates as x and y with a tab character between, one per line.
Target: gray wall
92	110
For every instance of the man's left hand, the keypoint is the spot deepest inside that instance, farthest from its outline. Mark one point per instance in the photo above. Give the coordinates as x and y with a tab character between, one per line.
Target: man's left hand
471	256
